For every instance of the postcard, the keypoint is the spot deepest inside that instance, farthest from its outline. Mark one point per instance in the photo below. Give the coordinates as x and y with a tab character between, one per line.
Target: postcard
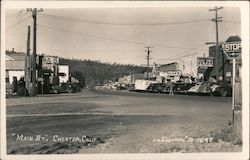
124	80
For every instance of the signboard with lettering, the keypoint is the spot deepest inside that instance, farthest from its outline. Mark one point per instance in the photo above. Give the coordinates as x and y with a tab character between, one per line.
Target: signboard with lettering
163	74
174	73
205	61
232	49
49	62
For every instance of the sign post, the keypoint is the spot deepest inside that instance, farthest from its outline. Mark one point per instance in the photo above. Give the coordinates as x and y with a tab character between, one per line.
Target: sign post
233	87
232	49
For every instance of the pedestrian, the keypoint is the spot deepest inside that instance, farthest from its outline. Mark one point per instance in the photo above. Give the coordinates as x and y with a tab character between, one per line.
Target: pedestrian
170	86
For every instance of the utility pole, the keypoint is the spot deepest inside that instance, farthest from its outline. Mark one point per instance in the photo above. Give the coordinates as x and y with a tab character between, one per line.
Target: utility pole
216	56
148	57
34	80
28	64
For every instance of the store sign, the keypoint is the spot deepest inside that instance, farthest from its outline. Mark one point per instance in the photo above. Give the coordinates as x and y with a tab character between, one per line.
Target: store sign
232	49
205	61
163	74
50	61
174	73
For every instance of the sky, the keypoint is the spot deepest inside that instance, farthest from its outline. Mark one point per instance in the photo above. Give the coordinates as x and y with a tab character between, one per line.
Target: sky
119	35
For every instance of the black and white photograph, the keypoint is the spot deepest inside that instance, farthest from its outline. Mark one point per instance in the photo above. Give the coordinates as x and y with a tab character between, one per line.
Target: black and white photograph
112	80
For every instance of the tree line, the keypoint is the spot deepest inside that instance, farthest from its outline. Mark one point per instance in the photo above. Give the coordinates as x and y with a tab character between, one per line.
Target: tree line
96	72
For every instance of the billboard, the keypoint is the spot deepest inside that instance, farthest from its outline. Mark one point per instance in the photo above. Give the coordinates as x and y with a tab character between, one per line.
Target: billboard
205	61
174	73
49	62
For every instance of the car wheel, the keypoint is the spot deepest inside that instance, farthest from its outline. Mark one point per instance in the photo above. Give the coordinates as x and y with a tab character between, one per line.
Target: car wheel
223	93
56	91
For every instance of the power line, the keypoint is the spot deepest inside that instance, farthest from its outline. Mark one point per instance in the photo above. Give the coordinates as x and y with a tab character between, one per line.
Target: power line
236	22
17	14
17	23
182	56
111	39
136	57
116	23
111	50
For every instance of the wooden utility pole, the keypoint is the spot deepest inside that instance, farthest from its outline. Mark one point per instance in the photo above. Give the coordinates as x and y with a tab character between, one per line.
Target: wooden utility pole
216	56
148	57
34	77
28	64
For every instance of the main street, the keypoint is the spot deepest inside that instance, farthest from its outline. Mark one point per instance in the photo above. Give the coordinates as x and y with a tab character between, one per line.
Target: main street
117	122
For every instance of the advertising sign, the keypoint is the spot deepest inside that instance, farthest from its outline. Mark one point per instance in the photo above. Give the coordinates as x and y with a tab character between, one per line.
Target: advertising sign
205	61
163	74
50	61
174	73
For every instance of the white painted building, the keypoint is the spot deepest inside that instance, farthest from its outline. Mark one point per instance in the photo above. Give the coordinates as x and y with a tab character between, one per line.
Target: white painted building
63	71
14	66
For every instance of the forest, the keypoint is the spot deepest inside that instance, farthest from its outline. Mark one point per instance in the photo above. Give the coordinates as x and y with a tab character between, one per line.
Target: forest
96	72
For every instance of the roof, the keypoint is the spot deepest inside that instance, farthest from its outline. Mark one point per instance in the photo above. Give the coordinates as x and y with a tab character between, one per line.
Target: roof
15	65
8	58
15	61
16	56
173	63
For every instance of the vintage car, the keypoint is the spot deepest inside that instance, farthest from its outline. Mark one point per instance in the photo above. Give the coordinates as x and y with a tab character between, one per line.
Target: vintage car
66	88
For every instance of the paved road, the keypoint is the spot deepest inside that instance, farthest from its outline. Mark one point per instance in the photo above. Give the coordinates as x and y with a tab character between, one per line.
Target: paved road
115	122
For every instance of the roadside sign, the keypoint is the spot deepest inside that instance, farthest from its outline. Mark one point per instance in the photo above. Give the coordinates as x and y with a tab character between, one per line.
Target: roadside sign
163	74
228	74
205	61
39	79
49	61
232	49
174	73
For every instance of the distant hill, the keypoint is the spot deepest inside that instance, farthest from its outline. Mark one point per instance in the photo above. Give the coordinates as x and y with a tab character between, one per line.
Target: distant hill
95	72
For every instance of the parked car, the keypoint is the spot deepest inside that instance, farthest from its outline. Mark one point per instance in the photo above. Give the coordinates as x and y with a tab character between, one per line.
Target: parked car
155	88
200	88
182	88
66	88
223	91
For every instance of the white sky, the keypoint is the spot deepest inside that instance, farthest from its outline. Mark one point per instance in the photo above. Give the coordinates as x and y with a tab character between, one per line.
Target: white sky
120	34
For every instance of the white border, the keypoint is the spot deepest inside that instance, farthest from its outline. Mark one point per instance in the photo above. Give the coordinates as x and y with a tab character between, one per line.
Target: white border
243	5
